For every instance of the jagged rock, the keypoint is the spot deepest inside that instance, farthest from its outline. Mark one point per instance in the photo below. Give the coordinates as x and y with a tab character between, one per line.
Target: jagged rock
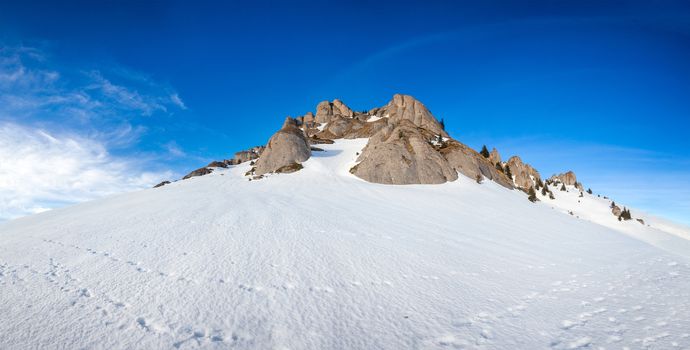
470	163
325	111
217	164
286	147
524	174
314	140
162	184
366	129
406	107
308	119
339	126
402	155
640	221
198	172
351	128
246	155
616	210
494	157
569	179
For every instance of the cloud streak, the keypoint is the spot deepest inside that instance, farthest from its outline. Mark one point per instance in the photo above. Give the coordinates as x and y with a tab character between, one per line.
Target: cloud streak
41	170
59	128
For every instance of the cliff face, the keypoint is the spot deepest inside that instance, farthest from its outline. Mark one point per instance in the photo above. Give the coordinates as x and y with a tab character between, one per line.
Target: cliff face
407	145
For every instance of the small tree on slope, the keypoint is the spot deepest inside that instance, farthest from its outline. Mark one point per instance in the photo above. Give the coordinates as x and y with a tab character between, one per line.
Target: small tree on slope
532	195
484	152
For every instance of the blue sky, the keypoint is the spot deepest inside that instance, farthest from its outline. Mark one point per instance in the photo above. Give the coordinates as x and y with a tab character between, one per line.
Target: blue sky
121	94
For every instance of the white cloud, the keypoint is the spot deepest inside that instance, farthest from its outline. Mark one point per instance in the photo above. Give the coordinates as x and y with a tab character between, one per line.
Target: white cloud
59	128
175	98
40	170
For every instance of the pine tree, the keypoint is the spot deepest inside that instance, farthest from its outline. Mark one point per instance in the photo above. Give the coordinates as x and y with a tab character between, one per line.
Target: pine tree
589	190
581	194
443	124
532	195
563	188
551	196
508	173
545	190
613	204
484	152
499	167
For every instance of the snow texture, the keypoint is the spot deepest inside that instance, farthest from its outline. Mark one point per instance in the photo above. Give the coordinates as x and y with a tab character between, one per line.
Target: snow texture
320	259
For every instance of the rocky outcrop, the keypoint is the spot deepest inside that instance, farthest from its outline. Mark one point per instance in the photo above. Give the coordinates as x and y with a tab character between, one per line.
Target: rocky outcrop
470	163
524	174
246	155
401	155
406	107
567	178
162	184
217	164
325	111
285	149
198	172
616	211
494	157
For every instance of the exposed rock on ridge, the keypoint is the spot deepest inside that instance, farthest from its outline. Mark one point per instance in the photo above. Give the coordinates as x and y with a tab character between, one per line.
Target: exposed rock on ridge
407	107
285	149
567	178
472	164
402	155
325	111
524	175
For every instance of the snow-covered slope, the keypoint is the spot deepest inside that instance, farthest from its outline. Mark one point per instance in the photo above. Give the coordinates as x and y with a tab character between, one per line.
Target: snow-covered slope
320	259
592	207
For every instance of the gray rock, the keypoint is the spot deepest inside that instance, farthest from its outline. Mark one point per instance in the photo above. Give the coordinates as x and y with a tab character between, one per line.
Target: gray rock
402	155
494	157
285	148
246	155
470	163
569	179
406	107
325	111
524	174
162	184
198	172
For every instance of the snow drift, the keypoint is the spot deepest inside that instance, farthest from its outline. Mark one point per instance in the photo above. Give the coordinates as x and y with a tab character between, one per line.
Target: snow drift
320	259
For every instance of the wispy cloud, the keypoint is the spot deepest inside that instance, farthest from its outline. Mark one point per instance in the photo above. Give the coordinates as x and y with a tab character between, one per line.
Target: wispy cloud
59	127
41	170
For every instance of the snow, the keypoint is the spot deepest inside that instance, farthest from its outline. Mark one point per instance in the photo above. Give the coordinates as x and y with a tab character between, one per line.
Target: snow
320	259
373	118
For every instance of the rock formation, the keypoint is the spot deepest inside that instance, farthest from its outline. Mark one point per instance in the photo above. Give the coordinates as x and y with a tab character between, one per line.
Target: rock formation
494	157
246	155
524	174
325	111
285	152
198	172
406	107
471	164
400	155
407	145
162	184
568	178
